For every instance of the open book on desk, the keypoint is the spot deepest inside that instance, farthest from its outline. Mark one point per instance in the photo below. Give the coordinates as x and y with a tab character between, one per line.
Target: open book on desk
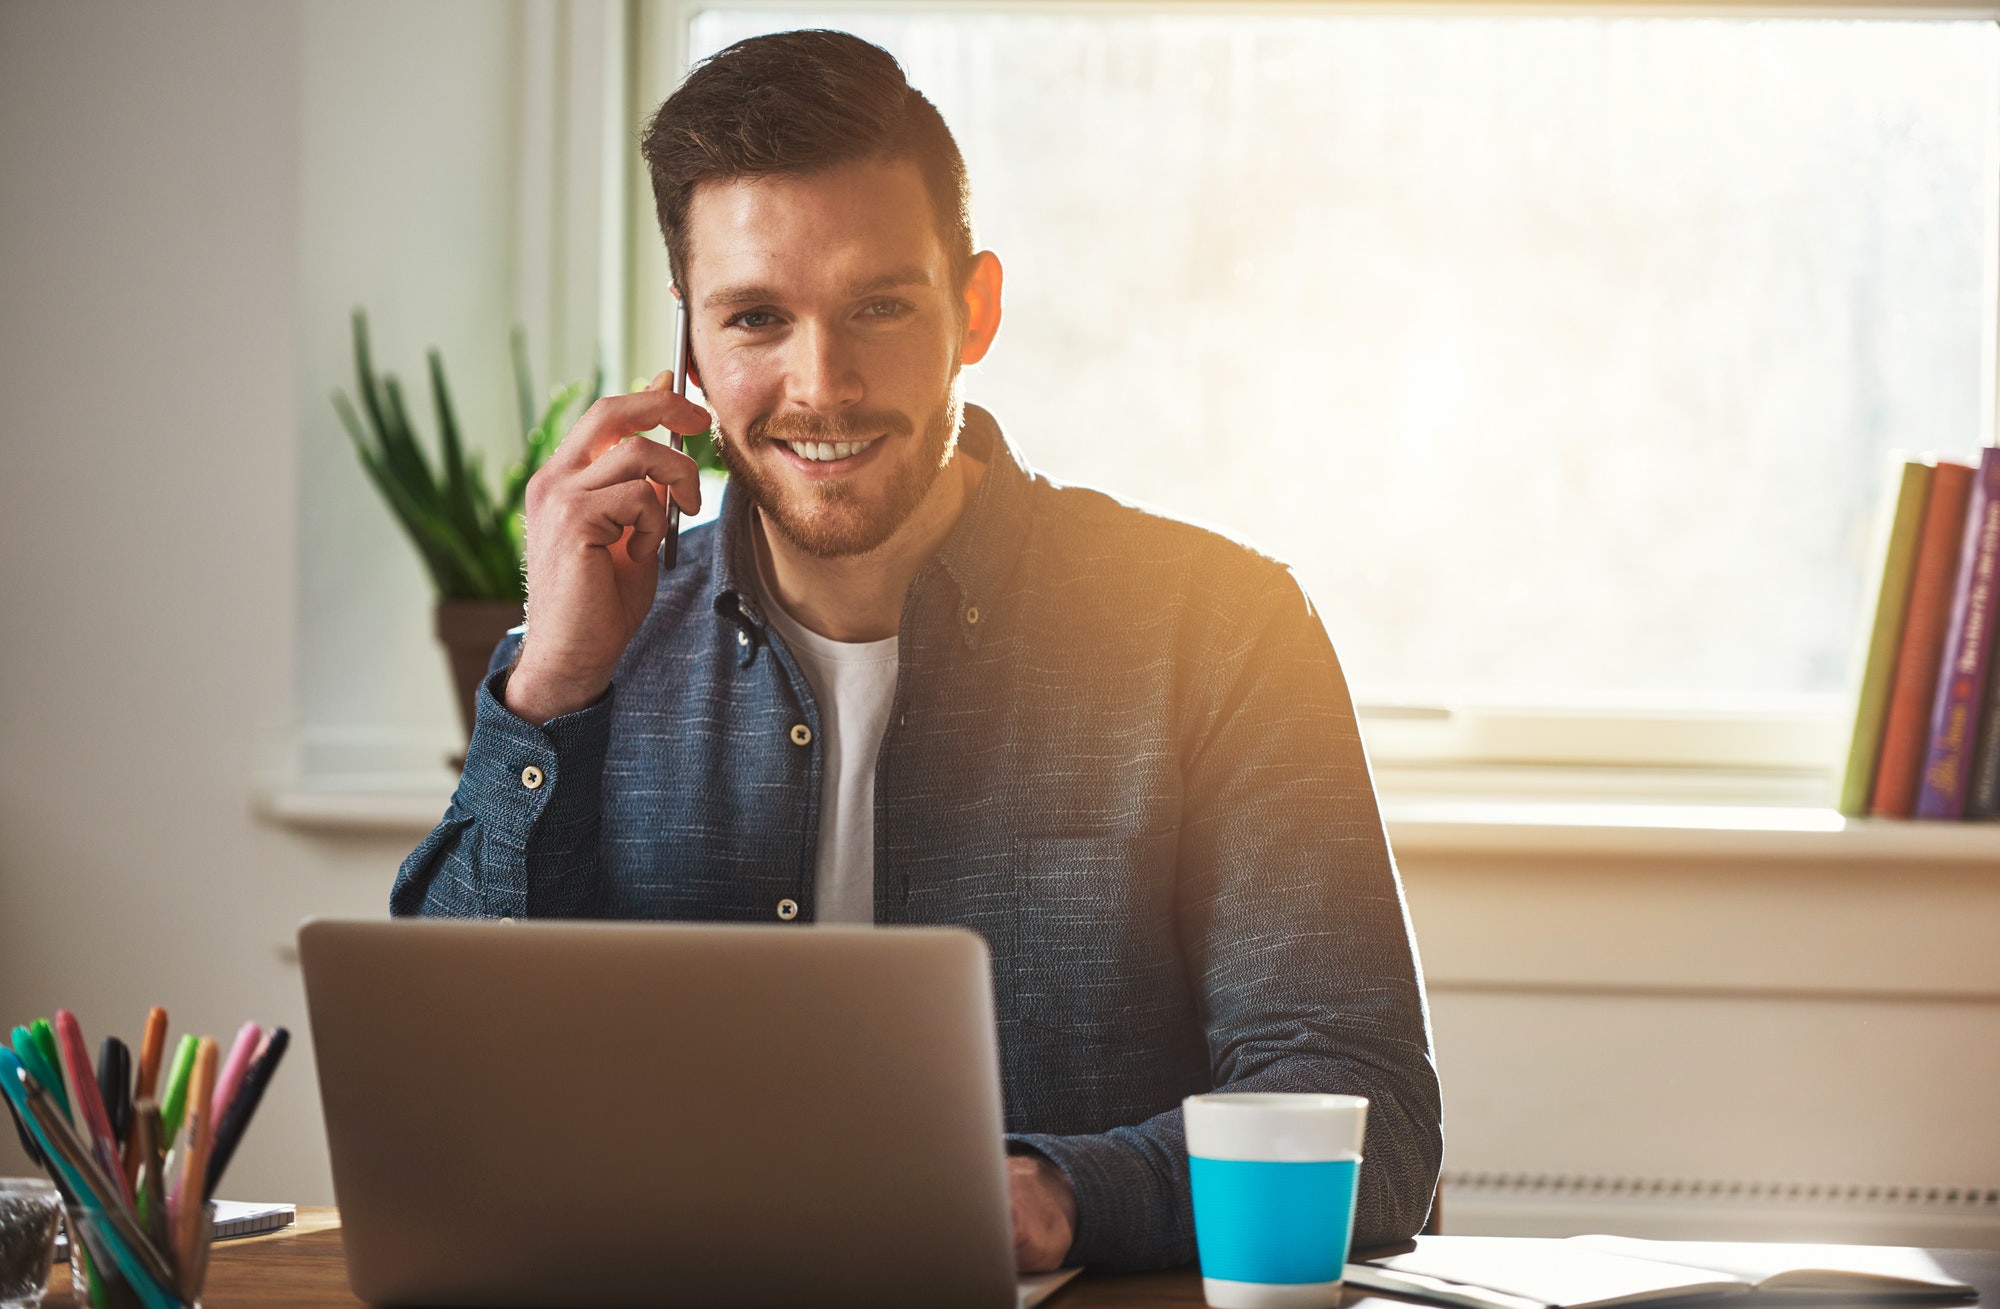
1595	1272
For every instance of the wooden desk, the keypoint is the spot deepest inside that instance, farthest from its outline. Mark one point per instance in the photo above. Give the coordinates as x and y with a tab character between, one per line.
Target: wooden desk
303	1268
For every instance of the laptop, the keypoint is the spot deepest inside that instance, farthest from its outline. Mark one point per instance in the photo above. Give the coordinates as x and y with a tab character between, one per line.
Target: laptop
569	1114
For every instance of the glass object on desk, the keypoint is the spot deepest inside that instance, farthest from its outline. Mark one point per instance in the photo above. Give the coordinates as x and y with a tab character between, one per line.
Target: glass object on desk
29	1208
90	1253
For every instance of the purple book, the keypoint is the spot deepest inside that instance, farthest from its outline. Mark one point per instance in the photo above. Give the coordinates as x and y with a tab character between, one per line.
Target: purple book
1968	649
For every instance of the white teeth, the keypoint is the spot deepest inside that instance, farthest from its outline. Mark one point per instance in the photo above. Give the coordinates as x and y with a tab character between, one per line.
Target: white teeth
827	451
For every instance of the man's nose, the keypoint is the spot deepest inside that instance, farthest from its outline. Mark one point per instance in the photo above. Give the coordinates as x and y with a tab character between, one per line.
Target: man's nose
825	376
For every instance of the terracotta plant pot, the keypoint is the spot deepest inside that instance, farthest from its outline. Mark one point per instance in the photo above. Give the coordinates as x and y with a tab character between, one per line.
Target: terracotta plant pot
469	630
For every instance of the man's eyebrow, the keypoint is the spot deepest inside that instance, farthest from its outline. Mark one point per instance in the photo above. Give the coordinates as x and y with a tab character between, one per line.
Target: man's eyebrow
911	276
752	294
737	295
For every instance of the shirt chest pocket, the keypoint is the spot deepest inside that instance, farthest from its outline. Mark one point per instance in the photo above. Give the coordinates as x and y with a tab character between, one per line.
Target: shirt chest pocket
1097	953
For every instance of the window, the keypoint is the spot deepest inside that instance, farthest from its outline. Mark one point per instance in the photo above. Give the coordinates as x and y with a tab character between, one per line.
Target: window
1561	355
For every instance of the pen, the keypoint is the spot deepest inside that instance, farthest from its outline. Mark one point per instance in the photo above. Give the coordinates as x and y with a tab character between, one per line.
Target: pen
86	1106
114	1087
236	1119
173	1105
234	1067
29	1051
185	1205
683	363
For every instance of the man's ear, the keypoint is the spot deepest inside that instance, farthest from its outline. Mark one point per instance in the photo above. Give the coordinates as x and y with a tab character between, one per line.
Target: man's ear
982	307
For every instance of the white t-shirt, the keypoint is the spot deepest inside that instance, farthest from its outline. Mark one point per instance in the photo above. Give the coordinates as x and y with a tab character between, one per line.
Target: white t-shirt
854	682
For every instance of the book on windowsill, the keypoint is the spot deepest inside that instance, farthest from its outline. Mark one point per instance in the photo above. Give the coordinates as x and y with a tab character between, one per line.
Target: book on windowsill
1983	799
1596	1272
1896	554
1967	651
1906	728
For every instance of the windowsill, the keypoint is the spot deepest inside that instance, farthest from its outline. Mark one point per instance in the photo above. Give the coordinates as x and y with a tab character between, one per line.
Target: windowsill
1507	816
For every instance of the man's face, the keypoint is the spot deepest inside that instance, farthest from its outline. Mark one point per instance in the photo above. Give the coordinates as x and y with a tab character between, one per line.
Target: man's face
828	335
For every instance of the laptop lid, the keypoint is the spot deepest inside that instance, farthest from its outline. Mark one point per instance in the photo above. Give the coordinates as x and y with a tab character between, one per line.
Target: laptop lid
621	1114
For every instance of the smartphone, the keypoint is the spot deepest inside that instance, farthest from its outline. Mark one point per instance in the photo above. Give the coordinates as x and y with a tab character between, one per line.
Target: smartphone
683	361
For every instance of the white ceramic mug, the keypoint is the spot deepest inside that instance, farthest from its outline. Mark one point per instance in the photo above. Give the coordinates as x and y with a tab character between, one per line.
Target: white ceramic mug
1274	1176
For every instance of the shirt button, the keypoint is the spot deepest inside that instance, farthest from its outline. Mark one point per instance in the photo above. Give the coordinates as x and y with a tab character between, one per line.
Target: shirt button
742	638
972	614
788	909
801	735
531	777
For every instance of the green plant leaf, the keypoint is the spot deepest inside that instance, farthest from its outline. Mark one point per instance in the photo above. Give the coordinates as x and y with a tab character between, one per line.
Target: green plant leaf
470	541
458	506
446	575
405	458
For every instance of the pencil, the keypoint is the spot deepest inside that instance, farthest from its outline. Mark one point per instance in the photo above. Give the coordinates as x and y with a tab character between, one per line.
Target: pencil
153	1179
98	1193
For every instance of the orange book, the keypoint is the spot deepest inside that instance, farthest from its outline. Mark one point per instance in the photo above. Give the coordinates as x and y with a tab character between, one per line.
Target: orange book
1906	731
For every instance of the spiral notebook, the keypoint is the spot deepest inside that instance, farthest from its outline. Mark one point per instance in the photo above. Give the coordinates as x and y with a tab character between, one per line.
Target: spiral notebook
233	1218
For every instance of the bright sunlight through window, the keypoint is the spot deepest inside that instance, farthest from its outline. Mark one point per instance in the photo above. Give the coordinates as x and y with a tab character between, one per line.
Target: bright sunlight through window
1561	356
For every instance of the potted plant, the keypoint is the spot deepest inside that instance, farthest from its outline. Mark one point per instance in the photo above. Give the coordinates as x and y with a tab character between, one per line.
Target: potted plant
468	535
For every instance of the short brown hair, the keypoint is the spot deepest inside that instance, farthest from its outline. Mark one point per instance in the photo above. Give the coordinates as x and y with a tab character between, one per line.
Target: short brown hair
794	103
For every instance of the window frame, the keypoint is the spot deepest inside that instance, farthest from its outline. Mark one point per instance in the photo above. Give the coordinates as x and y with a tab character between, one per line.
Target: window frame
1788	748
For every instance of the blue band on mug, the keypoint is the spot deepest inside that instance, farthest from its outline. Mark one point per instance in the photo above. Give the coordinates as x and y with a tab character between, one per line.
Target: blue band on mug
1256	1221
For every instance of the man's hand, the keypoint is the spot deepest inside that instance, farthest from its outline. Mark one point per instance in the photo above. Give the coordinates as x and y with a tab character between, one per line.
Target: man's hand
596	515
1044	1213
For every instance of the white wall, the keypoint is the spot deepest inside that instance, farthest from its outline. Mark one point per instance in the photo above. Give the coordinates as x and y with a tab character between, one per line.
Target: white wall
170	171
1831	1023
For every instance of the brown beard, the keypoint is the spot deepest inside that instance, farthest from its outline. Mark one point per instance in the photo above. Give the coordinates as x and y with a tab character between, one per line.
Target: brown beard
827	520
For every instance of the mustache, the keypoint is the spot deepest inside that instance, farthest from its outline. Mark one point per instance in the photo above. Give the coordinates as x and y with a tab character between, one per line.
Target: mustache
850	425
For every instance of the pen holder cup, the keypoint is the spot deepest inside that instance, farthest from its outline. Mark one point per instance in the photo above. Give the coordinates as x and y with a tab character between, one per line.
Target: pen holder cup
95	1262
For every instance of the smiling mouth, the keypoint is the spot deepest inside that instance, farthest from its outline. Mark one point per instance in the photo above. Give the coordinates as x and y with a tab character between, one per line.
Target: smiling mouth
828	451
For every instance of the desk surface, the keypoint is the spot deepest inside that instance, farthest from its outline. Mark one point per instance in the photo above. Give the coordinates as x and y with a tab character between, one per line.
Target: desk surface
303	1267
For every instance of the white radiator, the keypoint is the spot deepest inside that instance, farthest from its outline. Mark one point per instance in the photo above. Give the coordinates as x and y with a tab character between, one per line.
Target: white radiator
1720	1209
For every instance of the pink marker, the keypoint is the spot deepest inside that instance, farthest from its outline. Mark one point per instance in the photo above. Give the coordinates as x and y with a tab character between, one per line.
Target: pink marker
86	1106
233	1069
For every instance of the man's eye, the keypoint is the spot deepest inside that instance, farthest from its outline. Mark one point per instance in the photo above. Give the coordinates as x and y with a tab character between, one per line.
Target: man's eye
753	319
884	309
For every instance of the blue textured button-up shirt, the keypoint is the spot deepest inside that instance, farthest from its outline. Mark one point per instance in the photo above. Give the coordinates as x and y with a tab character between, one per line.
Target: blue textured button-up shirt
1121	749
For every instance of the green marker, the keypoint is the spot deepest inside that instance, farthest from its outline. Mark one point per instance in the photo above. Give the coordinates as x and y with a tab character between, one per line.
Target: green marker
30	1054
174	1105
45	1041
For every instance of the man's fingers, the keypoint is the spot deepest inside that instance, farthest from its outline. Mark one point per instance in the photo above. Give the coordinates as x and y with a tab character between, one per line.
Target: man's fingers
641	456
600	517
616	417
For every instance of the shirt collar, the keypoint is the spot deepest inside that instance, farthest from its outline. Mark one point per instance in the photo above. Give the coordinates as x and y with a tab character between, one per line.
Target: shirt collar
978	556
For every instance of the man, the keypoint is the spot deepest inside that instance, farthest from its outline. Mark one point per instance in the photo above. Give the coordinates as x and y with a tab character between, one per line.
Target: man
904	680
